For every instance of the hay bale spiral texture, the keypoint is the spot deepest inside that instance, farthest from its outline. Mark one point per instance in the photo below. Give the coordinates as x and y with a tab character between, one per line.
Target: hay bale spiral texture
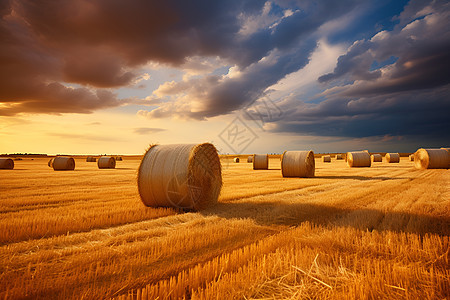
6	163
298	164
376	157
326	158
106	162
358	159
236	159
250	158
260	161
62	163
183	176
431	159
392	158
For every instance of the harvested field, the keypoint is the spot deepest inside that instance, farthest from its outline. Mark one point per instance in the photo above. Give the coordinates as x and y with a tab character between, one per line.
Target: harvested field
357	233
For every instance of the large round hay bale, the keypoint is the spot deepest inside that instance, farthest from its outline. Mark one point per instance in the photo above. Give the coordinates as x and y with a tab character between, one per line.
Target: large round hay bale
250	158
6	163
260	161
182	176
358	159
62	163
392	157
448	150
91	159
106	162
376	157
339	156
298	164
431	159
326	158
236	159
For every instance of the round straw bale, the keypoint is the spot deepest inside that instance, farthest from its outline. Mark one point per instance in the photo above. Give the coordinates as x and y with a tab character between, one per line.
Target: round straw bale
260	161
326	158
358	159
236	159
91	159
339	156
62	163
106	162
392	157
431	159
250	158
119	158
298	164
448	150
182	176
376	157
411	157
6	163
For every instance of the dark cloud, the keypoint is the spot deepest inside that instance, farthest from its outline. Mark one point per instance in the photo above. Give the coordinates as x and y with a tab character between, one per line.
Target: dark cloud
147	130
101	45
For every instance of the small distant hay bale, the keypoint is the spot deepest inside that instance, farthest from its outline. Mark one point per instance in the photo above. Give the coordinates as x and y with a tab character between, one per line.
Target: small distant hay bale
431	159
91	159
339	156
376	157
236	159
106	162
6	163
119	158
358	159
181	176
411	157
260	161
298	164
392	158
326	158
62	163
250	158
17	158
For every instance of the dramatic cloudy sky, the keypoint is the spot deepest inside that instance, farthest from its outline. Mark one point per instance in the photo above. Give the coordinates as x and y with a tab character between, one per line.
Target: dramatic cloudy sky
112	76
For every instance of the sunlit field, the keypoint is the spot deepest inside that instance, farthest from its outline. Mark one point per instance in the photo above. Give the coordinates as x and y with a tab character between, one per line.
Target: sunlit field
358	233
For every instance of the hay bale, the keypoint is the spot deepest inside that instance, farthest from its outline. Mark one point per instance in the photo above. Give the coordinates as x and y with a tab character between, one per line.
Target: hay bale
392	158
358	159
260	161
91	159
326	158
106	162
367	151
431	159
376	158
339	156
298	164
448	150
411	157
62	163
50	162
182	176
119	158
6	163
250	158
236	159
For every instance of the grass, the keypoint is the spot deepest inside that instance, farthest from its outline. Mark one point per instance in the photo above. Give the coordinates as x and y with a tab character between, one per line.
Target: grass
380	232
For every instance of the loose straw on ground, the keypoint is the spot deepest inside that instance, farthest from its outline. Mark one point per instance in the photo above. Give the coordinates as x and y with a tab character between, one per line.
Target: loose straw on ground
62	163
392	157
6	163
182	176
431	159
377	157
260	161
106	162
358	159
298	164
326	158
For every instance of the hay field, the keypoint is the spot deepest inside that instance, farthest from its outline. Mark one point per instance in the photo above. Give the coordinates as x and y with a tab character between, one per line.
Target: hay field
357	233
